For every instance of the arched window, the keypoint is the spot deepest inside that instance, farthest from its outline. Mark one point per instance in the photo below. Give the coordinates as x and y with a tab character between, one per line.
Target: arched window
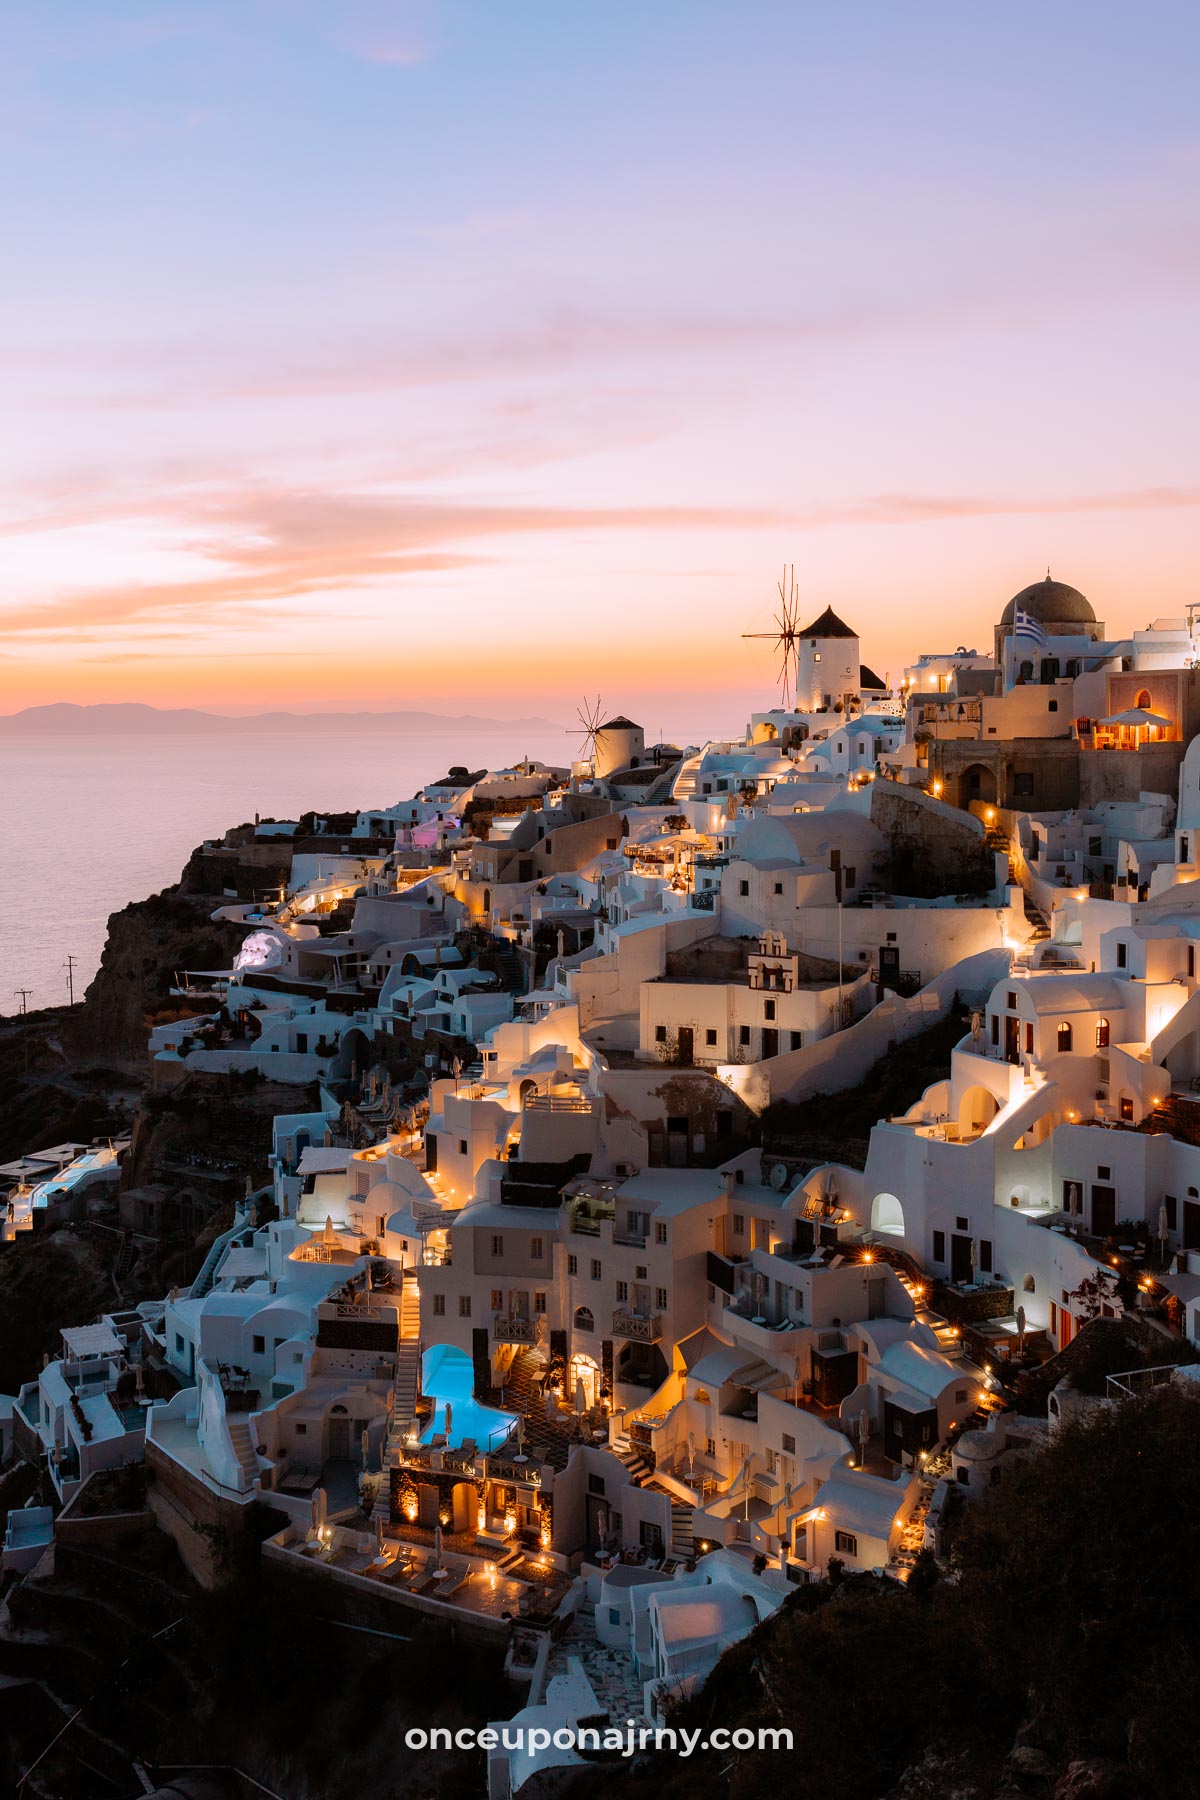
1102	1034
1143	699
1025	672
1064	1035
583	1319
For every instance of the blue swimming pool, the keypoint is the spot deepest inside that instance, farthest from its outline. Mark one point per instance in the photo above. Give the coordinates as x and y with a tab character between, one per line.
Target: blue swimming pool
447	1374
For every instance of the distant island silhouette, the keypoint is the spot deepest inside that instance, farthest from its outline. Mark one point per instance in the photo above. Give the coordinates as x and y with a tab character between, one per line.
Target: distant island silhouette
66	718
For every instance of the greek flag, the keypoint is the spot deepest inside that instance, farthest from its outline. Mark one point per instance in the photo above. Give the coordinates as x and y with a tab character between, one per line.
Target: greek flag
1026	626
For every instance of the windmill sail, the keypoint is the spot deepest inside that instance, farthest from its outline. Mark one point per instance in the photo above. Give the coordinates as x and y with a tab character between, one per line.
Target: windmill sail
785	637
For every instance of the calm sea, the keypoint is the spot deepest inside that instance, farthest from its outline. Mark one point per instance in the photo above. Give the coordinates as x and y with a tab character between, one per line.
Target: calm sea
92	822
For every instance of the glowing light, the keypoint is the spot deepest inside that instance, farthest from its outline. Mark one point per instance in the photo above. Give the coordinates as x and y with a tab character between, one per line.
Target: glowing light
868	1256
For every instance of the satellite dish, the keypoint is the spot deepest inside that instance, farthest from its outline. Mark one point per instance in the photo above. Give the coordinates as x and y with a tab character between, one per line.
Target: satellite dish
779	1176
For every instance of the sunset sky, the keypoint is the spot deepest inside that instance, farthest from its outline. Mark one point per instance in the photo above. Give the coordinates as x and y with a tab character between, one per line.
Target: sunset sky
469	355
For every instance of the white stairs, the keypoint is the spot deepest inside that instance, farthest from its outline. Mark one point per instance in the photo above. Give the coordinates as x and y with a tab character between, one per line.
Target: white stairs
405	1388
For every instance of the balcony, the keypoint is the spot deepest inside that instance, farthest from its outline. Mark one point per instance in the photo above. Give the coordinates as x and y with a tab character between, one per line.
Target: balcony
507	1329
637	1327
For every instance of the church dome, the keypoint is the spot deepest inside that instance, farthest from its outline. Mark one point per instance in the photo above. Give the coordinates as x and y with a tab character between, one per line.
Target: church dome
1050	603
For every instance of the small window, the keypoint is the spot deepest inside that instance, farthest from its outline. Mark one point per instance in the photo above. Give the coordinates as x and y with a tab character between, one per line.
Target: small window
439	1306
768	1009
960	1396
584	1321
1172	1209
1102	1034
622	1292
779	887
660	1034
743	1034
497	1246
845	1543
1126	1108
796	1040
1012	1003
660	1299
596	1485
260	1346
497	1299
962	1224
1053	706
710	1036
1122	955
788	1444
739	1225
985	1255
462	1146
572	1265
1064	1036
301	1430
539	1302
597	1270
535	1249
1103	1172
1191	959
939	1246
660	1231
464	1306
744	889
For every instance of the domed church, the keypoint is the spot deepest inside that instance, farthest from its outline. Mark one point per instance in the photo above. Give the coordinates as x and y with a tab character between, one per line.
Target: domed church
1060	610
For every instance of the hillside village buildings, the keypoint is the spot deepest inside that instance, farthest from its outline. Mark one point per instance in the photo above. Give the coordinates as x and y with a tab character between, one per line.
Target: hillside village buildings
526	1326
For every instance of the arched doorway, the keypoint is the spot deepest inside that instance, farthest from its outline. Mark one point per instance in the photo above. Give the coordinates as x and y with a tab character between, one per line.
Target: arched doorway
976	1110
978	782
887	1215
585	1372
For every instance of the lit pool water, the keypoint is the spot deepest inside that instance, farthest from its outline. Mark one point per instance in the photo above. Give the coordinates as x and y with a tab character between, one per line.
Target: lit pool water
447	1374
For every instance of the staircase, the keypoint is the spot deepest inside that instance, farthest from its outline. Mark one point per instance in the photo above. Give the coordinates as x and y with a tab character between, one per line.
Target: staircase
916	1286
997	842
243	1449
511	968
683	1537
208	1268
1037	918
405	1388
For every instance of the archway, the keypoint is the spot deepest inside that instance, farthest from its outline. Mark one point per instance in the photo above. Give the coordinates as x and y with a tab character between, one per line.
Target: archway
976	1110
585	1372
1143	699
978	782
887	1215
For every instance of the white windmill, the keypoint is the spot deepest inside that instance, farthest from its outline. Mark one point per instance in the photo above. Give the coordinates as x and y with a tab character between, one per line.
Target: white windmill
590	715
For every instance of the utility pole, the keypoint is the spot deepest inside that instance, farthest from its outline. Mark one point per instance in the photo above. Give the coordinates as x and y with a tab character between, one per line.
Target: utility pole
69	966
24	994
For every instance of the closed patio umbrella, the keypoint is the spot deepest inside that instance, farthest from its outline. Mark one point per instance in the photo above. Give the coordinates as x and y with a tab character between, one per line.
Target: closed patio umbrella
449	1414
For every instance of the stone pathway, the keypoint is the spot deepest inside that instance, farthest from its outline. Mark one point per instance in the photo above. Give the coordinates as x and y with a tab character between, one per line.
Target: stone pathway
609	1671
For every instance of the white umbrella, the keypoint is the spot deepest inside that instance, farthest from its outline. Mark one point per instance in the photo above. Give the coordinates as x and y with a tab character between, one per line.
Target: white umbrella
580	1396
1163	1226
1136	715
318	1509
1021	1329
437	1548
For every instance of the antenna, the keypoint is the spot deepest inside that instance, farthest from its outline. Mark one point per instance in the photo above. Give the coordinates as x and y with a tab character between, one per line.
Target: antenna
589	715
786	635
69	966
